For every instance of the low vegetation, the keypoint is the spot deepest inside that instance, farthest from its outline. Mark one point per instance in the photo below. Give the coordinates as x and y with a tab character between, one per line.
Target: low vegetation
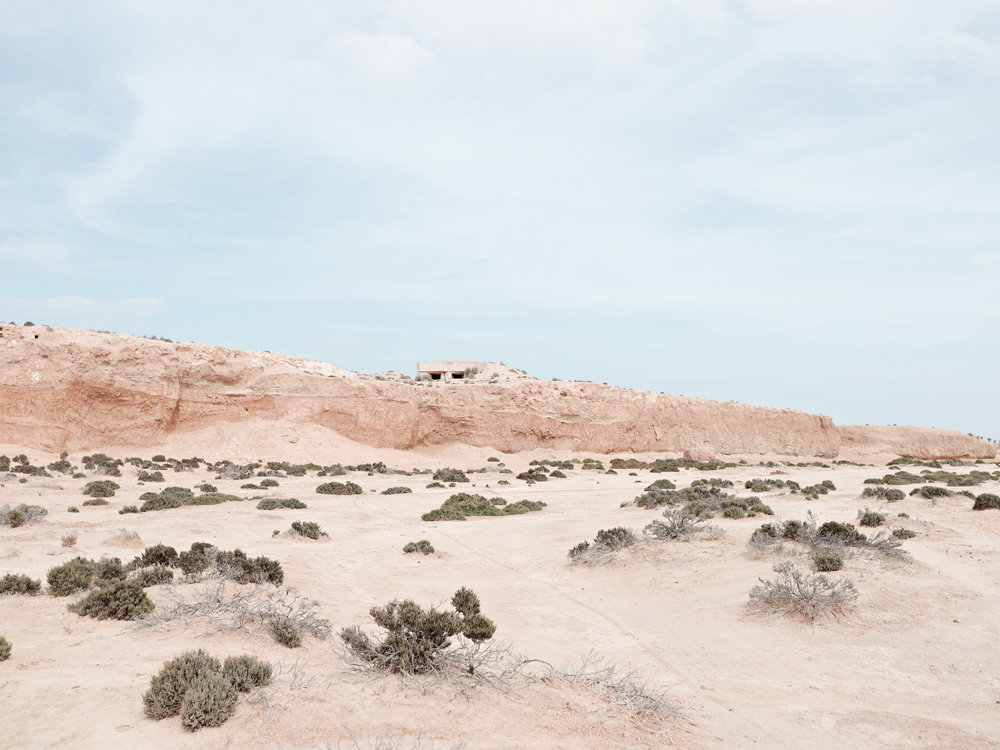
461	505
794	592
21	515
397	491
423	546
101	488
987	501
830	537
416	637
339	488
178	497
5	649
200	690
273	503
117	600
309	529
15	583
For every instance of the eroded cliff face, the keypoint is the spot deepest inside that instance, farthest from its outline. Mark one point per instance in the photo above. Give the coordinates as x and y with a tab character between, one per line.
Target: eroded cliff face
925	443
79	390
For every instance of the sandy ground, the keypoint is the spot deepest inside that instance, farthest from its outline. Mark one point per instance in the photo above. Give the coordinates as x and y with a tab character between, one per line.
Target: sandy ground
915	665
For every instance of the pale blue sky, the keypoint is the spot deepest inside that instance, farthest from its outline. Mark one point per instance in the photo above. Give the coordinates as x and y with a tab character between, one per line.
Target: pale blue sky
778	202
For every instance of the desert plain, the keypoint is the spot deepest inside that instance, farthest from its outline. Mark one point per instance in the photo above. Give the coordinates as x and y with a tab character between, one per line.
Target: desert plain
914	662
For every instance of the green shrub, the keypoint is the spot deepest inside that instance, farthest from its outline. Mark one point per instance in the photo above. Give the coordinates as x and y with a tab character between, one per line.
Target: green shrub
71	576
870	518
613	539
5	649
274	503
450	475
309	529
206	487
156	476
661	484
168	686
240	568
209	701
493	459
109	570
827	562
438	486
987	501
841	531
246	672
158	554
96	501
931	492
417	636
265	483
74	509
128	509
193	562
422	546
397	491
155	576
250	486
339	488
16	518
462	504
560	475
733	511
893	495
176	497
285	632
19	584
121	600
903	533
101	488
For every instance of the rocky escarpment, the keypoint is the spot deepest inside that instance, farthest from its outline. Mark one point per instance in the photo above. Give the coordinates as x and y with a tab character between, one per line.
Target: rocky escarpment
925	443
80	390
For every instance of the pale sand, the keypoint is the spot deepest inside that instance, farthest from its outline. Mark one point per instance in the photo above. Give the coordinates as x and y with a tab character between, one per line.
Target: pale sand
917	665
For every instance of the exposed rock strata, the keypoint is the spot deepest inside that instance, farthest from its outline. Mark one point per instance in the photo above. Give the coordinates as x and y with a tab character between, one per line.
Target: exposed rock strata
80	390
925	443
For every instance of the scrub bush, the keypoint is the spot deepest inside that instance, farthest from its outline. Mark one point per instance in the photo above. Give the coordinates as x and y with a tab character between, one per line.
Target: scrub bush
272	503
309	529
121	600
416	637
13	583
101	488
209	701
422	546
397	491
71	576
285	632
339	488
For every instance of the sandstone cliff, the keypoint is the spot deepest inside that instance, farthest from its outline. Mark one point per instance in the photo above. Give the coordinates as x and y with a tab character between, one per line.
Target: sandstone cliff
80	390
925	443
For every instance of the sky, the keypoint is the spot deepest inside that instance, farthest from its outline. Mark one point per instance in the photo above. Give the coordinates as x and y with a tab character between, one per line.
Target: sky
779	202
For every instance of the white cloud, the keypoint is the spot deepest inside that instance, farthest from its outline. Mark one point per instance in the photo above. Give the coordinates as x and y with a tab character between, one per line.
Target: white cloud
388	60
48	254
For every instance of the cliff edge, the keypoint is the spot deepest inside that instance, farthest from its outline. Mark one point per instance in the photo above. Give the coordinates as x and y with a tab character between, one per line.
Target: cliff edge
72	390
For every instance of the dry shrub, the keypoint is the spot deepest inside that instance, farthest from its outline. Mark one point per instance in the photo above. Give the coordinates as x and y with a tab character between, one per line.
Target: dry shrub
225	606
5	649
680	526
803	594
416	637
69	540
